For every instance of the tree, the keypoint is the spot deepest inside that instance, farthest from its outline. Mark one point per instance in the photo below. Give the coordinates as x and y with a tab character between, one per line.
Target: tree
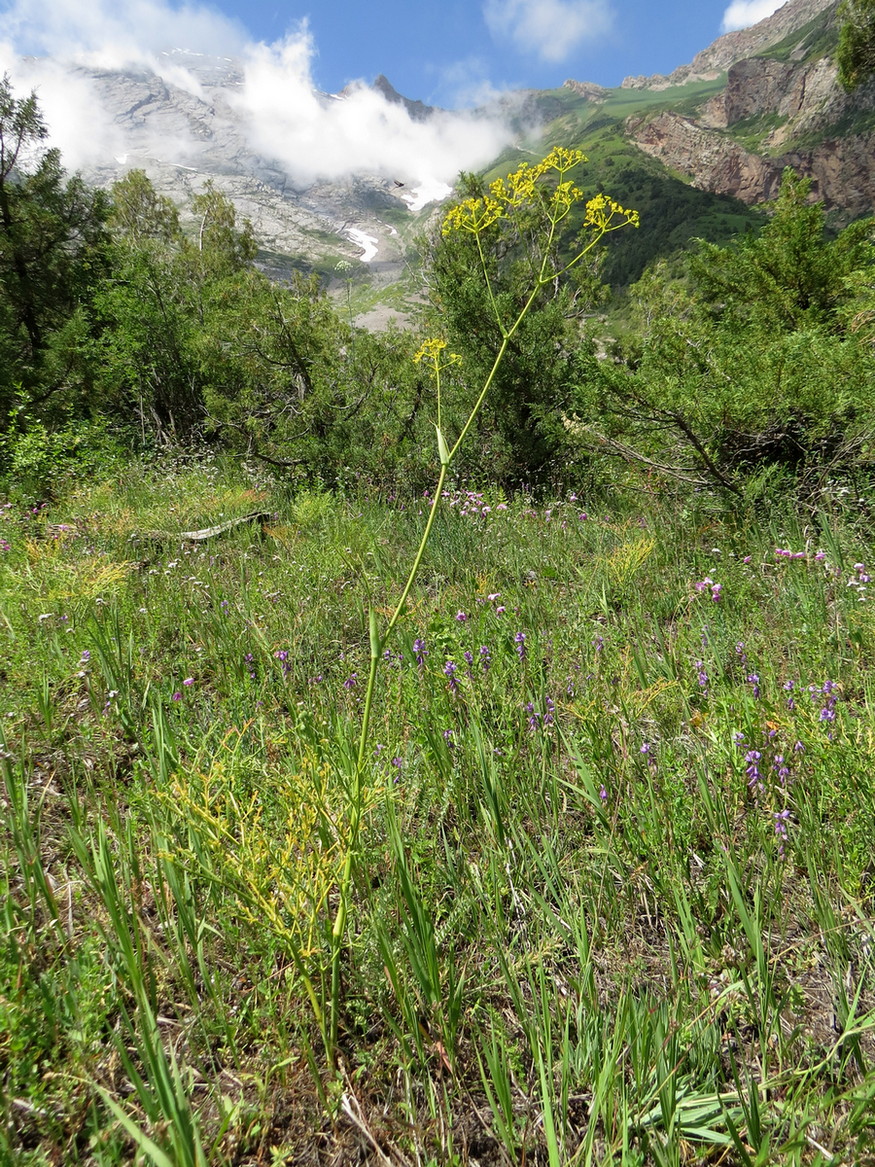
52	238
139	213
155	308
855	55
747	366
223	248
790	275
287	381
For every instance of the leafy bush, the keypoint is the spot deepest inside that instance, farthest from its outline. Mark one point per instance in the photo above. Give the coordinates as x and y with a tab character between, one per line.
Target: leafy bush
40	462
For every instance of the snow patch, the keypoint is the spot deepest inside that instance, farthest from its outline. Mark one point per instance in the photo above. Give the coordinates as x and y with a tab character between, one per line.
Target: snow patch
431	190
367	243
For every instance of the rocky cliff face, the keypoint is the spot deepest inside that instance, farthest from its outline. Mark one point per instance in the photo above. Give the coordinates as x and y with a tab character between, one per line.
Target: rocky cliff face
712	161
588	90
185	137
773	112
736	46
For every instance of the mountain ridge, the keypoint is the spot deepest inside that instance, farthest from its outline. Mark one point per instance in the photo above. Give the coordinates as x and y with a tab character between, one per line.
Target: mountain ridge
734	46
746	106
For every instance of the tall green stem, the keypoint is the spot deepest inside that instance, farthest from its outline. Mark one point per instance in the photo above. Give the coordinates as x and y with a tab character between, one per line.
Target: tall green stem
378	640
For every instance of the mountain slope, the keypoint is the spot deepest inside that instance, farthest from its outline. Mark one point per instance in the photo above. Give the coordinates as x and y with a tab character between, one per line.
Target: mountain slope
693	151
183	138
779	106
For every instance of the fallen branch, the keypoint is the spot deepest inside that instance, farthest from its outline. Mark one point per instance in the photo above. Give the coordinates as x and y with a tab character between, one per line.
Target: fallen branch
205	533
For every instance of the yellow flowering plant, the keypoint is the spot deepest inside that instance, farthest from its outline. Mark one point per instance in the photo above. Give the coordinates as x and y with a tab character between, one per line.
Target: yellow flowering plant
535	201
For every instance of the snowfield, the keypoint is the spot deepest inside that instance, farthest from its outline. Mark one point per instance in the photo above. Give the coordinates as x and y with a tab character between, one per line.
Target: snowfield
367	243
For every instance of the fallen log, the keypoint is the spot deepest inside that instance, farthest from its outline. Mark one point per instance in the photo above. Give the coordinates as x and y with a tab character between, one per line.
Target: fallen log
205	533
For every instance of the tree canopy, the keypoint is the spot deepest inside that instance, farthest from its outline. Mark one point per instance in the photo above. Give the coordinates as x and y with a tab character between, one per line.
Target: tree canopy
856	50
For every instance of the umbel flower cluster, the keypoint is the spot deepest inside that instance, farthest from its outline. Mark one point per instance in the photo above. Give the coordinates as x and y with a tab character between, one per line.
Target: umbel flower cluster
523	187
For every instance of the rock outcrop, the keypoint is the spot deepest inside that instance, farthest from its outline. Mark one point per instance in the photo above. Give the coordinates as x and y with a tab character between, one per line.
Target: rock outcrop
588	90
418	110
736	46
774	112
711	160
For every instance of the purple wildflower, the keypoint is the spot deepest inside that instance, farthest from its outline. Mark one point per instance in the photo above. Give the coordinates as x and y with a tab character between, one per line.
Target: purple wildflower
283	657
752	757
520	642
781	818
781	768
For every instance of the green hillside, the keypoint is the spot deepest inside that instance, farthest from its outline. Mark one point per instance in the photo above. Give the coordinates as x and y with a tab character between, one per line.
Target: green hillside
672	211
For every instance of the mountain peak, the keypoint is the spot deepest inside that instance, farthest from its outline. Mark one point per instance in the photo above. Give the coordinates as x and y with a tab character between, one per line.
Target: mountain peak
418	110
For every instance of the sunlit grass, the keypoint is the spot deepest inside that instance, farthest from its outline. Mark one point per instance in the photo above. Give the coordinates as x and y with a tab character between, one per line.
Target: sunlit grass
588	924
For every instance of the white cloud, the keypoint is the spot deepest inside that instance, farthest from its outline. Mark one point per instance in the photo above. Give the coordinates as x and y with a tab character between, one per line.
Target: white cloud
744	13
360	132
551	29
70	107
111	34
277	108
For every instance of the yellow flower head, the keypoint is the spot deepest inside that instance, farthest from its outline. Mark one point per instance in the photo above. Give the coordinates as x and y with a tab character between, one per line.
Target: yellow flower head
561	159
473	215
566	195
517	188
431	352
605	214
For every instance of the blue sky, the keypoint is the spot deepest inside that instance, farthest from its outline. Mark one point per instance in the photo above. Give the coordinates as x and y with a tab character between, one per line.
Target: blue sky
450	51
447	53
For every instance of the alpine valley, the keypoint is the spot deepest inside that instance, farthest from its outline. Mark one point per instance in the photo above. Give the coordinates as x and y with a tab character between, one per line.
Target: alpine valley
696	151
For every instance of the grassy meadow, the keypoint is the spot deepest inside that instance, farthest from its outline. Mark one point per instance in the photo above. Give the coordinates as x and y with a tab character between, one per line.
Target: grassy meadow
607	875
